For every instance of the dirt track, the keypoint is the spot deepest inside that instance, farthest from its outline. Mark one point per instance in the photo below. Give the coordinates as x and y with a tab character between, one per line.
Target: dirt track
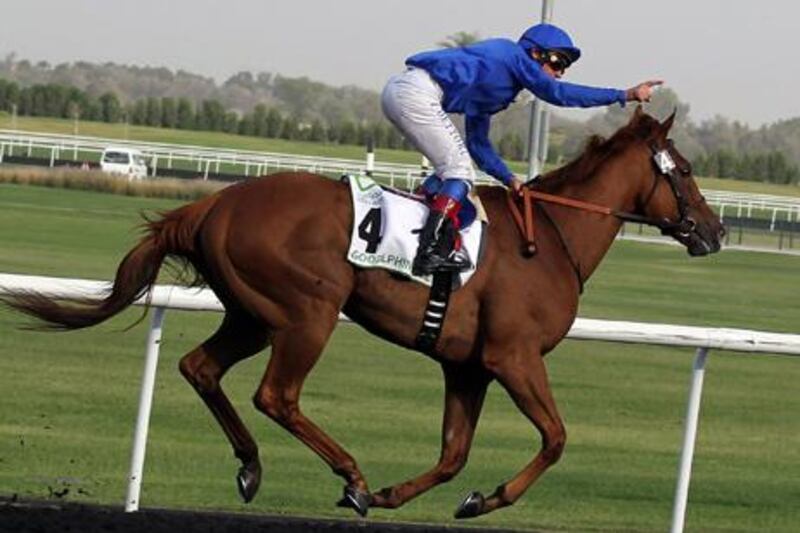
48	516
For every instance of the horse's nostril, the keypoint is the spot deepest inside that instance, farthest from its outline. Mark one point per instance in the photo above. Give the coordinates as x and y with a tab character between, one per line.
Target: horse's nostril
722	231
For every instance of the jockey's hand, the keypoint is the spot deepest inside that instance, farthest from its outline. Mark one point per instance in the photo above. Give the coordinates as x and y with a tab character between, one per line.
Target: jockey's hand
642	92
516	184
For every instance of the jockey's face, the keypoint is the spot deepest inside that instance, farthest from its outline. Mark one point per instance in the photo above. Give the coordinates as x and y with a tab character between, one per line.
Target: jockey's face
552	72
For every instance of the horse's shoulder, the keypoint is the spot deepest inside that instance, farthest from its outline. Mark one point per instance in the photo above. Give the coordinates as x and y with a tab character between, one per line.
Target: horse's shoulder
492	197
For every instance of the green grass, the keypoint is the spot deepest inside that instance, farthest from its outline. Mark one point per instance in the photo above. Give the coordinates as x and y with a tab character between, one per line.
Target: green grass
239	142
69	400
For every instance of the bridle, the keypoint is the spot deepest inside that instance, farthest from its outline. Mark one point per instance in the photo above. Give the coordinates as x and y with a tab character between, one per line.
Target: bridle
665	166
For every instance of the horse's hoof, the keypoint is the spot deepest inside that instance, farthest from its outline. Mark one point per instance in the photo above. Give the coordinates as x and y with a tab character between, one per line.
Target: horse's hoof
355	499
248	480
471	507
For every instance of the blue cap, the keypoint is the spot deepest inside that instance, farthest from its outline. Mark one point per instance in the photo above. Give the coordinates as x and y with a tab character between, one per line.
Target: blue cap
549	37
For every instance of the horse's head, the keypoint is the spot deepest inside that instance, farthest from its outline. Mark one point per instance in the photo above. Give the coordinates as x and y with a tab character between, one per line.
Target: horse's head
671	199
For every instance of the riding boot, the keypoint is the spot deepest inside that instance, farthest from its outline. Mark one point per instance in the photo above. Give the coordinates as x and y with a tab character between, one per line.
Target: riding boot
436	242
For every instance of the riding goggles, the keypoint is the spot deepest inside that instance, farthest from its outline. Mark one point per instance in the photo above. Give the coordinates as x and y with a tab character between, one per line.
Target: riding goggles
558	61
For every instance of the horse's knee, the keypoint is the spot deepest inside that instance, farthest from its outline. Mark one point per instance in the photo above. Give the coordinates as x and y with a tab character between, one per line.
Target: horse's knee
277	406
554	445
451	466
200	372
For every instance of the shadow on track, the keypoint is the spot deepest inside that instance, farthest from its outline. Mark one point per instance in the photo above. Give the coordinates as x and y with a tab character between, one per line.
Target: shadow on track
53	516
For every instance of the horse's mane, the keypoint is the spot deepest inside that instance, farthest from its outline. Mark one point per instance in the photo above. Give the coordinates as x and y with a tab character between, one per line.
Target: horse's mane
598	150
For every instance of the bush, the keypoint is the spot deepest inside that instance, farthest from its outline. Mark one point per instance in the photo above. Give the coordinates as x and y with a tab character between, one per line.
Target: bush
94	180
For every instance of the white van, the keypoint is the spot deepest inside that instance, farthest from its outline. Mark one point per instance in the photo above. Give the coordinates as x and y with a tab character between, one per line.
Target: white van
127	161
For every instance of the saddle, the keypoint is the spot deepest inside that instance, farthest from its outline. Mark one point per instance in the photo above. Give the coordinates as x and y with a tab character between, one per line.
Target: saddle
386	226
385	233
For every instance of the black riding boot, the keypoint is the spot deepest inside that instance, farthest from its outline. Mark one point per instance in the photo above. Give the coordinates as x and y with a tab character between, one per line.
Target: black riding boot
435	252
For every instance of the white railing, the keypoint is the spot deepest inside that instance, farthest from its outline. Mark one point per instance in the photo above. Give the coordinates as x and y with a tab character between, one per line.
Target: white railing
174	297
204	159
746	205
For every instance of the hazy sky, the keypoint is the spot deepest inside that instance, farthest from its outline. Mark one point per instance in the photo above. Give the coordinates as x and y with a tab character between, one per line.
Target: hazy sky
737	58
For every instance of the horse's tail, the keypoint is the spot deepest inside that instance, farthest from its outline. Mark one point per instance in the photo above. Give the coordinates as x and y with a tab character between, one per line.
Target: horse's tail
172	234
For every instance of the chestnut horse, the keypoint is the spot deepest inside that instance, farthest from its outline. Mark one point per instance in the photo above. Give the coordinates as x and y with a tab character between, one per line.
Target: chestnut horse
274	252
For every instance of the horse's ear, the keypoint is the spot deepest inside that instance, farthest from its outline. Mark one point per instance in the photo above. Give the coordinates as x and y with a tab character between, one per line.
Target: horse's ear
667	124
637	113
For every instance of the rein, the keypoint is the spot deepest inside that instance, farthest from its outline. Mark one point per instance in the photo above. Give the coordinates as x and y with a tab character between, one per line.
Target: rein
524	218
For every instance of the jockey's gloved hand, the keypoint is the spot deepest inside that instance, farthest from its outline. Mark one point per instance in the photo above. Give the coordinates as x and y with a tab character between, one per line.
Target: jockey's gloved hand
642	92
516	184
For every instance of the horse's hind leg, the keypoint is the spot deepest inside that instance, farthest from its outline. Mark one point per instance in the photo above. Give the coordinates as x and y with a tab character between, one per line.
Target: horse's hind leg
238	337
465	389
295	350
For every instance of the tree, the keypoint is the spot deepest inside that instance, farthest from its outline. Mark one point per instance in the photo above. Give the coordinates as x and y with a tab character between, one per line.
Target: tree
246	125
317	132
139	115
153	112
110	108
272	124
210	116
459	39
379	134
169	112
348	134
259	120
700	166
362	134
230	122
290	129
511	146
333	133
394	139
9	94
25	102
726	164
185	114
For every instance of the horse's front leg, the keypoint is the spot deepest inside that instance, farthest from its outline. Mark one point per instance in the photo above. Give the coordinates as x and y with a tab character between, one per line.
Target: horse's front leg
524	376
465	389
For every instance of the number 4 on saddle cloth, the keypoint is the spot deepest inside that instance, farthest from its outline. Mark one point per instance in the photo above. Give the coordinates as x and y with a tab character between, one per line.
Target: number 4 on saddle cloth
386	229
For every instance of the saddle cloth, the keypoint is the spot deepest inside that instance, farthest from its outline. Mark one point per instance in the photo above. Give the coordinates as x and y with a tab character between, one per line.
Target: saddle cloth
386	230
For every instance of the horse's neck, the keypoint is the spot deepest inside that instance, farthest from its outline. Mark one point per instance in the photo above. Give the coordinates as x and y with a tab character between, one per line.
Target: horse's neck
588	235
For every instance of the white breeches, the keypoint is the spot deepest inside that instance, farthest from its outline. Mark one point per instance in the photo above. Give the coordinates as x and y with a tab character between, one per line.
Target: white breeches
412	101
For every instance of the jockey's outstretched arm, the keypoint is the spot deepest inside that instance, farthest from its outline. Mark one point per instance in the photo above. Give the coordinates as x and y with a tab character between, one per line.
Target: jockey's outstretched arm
565	94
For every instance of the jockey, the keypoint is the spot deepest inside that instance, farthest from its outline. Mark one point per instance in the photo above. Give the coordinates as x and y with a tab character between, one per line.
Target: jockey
477	81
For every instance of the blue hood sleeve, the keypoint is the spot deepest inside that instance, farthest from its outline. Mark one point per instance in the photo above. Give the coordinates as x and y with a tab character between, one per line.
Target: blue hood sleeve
561	93
481	150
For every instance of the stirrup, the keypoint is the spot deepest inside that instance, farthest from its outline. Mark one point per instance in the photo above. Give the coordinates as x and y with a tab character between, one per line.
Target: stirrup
457	261
429	261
